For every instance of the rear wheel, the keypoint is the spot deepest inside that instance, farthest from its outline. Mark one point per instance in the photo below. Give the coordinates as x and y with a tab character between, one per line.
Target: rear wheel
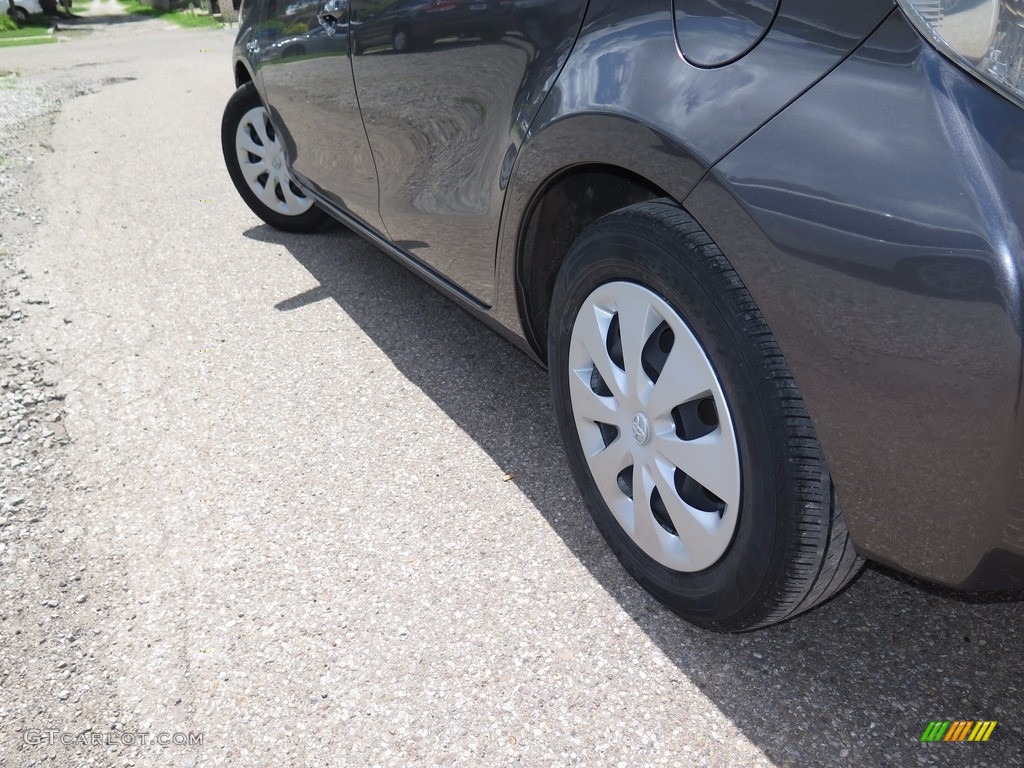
684	427
256	162
20	15
401	40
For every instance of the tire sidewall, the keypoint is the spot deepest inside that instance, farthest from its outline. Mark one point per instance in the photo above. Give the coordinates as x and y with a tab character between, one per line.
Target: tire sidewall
726	592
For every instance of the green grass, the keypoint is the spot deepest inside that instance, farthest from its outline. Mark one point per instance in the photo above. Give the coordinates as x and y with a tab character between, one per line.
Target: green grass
189	21
24	32
182	17
133	6
34	33
21	42
30	35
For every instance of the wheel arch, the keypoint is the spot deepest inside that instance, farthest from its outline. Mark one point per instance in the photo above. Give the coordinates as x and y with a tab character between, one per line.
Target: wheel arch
242	73
564	206
570	172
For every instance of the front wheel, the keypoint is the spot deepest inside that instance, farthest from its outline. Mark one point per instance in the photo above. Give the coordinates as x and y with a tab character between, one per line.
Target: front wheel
684	428
20	15
256	162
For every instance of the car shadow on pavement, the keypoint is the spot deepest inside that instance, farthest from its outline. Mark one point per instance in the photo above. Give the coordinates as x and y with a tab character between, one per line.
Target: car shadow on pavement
854	682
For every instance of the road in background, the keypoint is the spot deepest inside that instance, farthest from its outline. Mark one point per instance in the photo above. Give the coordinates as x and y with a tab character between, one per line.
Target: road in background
315	515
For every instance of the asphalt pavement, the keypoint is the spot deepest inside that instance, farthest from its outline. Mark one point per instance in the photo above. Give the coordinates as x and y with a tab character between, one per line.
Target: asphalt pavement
319	516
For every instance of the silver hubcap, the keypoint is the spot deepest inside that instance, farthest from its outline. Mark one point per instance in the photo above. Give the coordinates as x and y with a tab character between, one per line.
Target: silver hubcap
261	158
655	426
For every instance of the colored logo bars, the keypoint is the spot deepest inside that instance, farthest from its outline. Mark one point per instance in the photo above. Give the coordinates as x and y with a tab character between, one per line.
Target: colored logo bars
958	730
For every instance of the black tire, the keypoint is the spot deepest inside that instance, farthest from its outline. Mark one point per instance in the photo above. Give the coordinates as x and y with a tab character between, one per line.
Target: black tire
243	100
790	549
20	15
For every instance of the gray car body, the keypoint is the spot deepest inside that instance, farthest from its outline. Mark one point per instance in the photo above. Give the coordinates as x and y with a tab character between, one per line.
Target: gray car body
868	191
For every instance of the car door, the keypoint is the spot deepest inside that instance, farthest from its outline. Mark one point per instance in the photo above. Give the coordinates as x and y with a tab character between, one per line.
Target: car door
448	89
307	79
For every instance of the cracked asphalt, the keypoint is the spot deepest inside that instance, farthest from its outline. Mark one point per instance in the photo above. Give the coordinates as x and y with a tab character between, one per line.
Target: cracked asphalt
297	509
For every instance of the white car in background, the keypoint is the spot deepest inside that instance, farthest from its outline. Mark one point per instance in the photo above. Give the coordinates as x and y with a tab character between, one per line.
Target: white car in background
20	10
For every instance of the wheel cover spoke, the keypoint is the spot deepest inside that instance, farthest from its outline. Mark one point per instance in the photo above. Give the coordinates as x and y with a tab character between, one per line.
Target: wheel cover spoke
592	325
673	490
644	528
246	144
587	404
708	460
267	176
260	124
268	194
637	321
609	461
685	377
290	198
253	171
697	530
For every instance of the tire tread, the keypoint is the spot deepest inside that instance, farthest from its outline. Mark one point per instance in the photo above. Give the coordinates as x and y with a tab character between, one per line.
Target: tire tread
820	559
823	559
